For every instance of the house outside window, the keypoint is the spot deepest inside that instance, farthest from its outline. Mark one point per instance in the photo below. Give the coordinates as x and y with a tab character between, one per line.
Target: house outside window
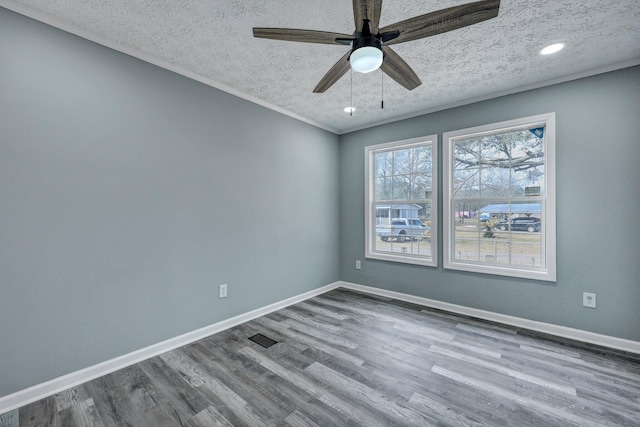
499	198
401	194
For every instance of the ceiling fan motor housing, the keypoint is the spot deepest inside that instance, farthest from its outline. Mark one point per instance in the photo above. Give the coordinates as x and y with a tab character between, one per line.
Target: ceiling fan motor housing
364	38
366	41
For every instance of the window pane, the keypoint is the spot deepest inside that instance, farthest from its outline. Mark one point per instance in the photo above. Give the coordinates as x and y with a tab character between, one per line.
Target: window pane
495	182
420	187
402	161
529	168
497	198
466	233
499	233
404	229
384	164
526	250
402	186
466	167
495	251
422	160
383	188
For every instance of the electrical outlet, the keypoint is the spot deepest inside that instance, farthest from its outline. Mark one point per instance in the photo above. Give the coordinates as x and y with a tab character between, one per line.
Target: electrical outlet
222	291
589	299
358	265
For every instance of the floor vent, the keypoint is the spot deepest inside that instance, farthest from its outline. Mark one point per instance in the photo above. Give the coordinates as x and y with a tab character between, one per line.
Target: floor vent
263	340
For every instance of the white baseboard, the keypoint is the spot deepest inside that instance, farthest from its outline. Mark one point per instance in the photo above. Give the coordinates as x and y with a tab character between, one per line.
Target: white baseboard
56	385
40	391
546	328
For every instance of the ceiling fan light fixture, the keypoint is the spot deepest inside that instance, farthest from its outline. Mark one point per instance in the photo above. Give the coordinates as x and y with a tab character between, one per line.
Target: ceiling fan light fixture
366	59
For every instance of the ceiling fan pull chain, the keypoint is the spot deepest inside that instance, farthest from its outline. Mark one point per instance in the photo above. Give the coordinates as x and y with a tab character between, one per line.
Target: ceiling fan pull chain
351	109
381	90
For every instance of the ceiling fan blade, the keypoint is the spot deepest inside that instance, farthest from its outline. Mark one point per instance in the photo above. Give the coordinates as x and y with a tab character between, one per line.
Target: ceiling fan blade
305	36
334	74
443	20
367	9
396	68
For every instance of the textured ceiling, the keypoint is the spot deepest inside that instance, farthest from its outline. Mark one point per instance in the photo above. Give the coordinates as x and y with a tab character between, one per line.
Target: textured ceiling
211	41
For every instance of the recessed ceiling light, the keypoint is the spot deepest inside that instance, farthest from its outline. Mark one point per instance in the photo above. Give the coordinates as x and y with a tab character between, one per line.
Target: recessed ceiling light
349	109
552	48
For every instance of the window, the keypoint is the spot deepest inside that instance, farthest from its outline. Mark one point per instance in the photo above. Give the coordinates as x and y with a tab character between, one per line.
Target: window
400	199
499	213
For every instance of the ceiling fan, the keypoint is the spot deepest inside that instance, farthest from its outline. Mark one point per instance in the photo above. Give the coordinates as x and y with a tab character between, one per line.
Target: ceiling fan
370	45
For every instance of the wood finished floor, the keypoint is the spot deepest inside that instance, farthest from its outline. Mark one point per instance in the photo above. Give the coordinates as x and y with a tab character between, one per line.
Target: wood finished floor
345	358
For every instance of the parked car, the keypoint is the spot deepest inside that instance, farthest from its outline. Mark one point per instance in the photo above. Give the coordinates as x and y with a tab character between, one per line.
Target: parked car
530	224
402	229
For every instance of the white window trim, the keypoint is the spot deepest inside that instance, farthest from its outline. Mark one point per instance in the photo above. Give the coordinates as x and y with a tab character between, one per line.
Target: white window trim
370	232
548	273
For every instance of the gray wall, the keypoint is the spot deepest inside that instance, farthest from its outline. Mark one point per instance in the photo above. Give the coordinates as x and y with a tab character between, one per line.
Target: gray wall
129	193
598	208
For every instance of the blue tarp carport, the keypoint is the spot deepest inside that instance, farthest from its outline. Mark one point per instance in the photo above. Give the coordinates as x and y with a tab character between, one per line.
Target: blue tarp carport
523	208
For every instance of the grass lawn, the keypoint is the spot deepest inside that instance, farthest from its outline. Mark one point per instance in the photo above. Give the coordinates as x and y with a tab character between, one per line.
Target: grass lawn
519	248
509	248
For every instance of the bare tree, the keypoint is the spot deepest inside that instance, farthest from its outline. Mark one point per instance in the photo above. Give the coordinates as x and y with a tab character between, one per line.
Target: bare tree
403	174
497	165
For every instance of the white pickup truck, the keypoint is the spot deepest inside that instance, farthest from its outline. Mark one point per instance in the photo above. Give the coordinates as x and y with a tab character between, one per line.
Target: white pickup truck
402	229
